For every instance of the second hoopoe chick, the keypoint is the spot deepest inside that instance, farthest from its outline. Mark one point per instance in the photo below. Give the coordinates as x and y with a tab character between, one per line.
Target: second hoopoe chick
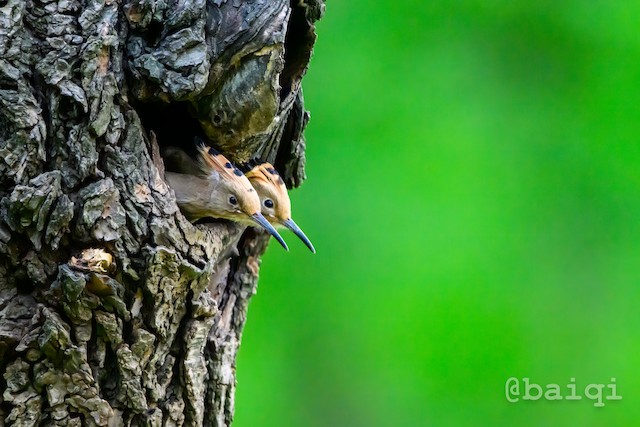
218	190
274	198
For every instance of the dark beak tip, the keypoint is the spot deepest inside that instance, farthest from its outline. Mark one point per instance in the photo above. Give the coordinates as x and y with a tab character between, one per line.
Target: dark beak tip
283	243
262	221
291	225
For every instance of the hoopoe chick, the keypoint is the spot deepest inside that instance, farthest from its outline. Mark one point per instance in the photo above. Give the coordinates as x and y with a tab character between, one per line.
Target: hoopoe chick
274	198
219	190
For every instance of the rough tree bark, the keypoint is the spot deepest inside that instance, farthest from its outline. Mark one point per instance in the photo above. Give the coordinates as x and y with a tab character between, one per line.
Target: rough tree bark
114	309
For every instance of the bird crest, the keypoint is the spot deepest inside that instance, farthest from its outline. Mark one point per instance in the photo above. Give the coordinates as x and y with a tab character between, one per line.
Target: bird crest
264	172
211	159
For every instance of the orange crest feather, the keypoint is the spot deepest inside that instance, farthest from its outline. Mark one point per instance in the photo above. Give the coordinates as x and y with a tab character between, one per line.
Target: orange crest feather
211	159
267	173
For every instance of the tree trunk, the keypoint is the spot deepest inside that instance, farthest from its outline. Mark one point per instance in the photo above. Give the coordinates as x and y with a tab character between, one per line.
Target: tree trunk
114	309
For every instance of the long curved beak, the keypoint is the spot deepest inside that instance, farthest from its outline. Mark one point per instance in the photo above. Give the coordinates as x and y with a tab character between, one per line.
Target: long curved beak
262	221
294	227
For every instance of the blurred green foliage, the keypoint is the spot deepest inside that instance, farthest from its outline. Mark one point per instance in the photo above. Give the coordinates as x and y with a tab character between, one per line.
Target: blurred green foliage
473	194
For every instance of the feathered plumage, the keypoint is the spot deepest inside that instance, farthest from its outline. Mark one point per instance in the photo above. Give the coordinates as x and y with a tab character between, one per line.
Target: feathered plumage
214	187
274	197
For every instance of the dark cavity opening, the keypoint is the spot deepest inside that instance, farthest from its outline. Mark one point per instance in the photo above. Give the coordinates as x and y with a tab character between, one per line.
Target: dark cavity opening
297	50
173	125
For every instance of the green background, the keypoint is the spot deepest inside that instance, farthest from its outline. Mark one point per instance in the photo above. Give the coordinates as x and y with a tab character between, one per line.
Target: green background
473	175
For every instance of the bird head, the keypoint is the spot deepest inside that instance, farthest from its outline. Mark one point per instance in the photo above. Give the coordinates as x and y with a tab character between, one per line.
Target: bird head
274	198
232	196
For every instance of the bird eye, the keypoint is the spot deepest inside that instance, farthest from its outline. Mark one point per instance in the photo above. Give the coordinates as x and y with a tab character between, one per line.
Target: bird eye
233	200
268	203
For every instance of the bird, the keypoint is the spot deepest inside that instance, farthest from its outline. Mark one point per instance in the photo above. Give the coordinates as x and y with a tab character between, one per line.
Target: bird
274	198
218	189
271	189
